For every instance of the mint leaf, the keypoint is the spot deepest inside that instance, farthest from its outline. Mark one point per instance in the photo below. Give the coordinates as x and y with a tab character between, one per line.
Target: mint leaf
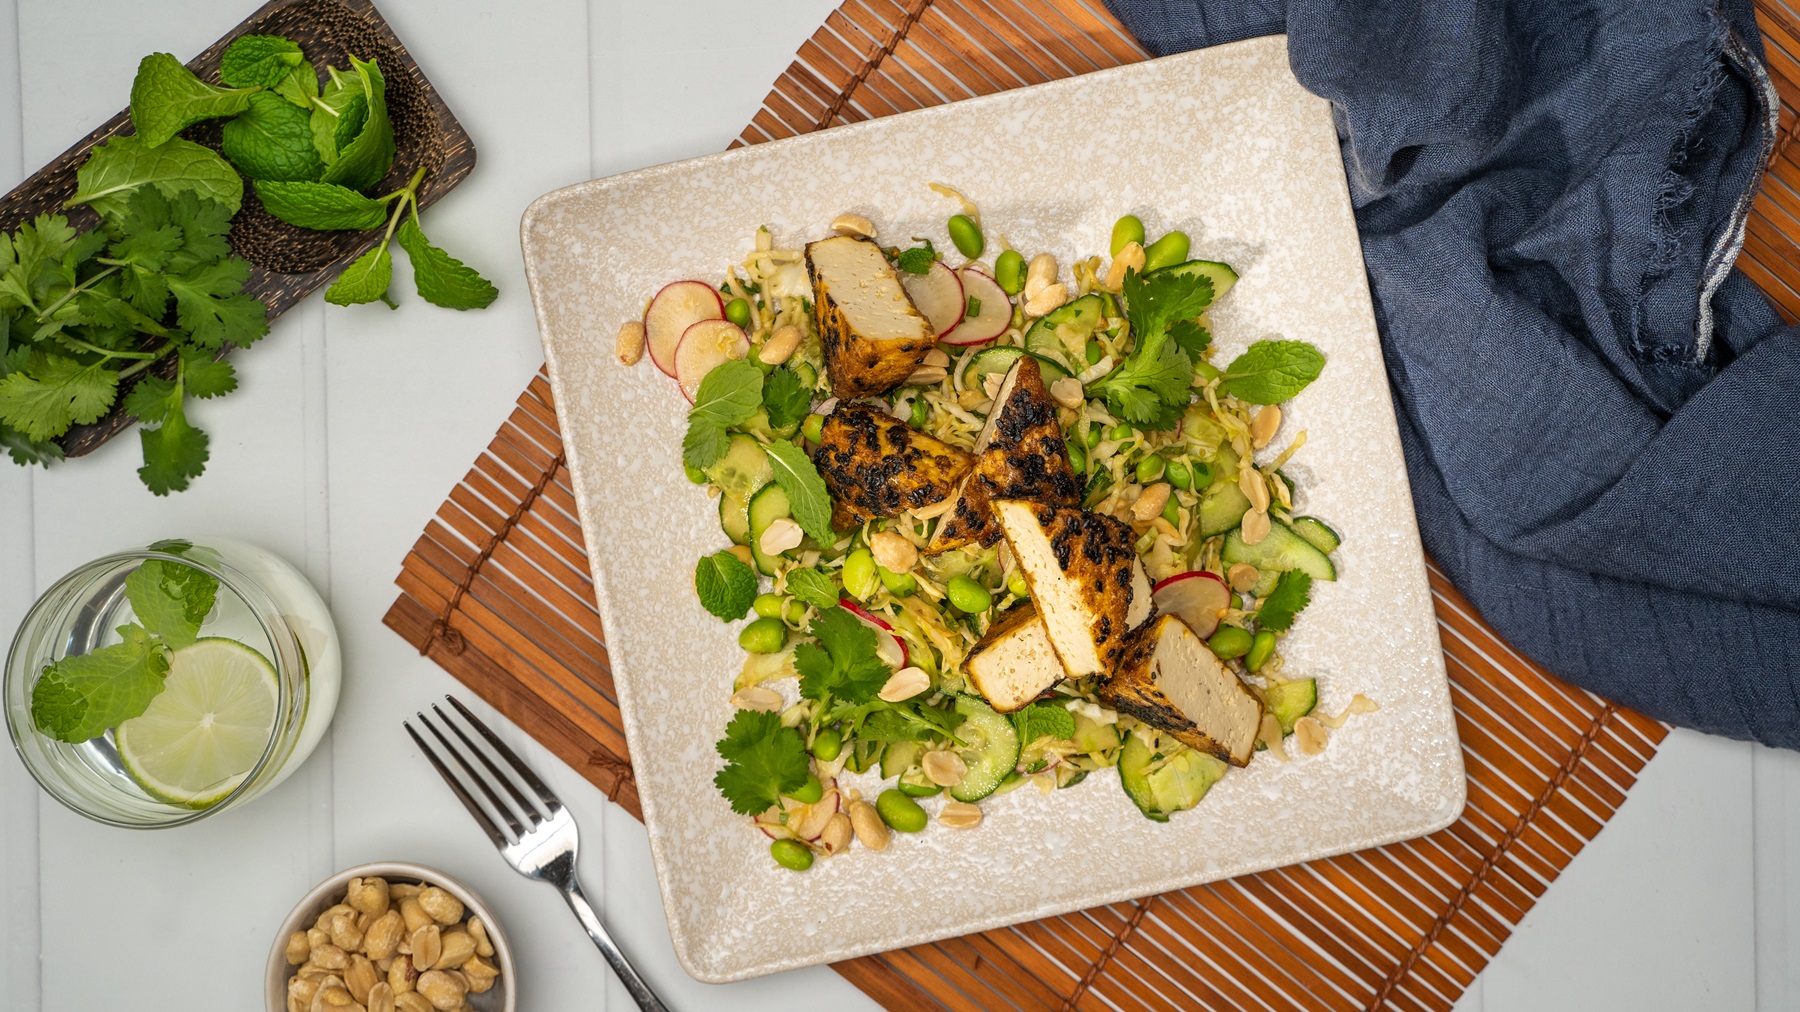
300	86
79	697
272	139
174	453
365	280
725	585
807	497
123	164
259	61
843	665
785	398
763	761
812	587
362	162
338	114
171	600
1269	372
166	97
1291	593
53	393
1043	720
728	396
442	279
211	306
321	206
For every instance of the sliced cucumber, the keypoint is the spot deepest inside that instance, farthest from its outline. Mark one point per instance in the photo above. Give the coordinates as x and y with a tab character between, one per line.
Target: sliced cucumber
1166	777
991	750
1078	320
1317	534
999	360
900	757
1279	551
734	517
1221	275
1289	701
1093	736
744	469
759	424
1222	508
766	507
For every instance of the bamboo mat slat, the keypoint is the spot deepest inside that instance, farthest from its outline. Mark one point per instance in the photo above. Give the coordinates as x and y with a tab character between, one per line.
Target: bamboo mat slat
497	591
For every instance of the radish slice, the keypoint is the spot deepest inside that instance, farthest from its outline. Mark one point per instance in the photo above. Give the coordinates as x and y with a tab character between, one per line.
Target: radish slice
937	294
705	346
1195	598
676	308
891	648
995	315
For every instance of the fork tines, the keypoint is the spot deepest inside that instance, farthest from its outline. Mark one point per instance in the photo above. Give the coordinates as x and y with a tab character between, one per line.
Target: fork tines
470	769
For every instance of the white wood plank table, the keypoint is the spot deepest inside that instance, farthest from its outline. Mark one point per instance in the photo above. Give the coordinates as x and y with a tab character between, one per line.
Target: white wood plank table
1685	900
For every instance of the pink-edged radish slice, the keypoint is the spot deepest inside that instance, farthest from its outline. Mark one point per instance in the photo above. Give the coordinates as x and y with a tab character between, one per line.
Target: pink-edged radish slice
995	315
704	347
937	294
676	308
891	648
1195	598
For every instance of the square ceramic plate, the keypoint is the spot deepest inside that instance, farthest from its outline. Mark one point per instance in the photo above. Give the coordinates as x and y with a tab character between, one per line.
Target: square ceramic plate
1222	143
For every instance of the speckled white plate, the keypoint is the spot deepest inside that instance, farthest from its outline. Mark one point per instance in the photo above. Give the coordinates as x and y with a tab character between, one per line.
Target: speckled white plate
1222	143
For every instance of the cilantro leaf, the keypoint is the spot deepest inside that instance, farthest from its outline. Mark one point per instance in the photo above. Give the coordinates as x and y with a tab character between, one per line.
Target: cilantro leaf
24	450
786	398
166	97
171	600
812	587
79	697
1291	593
763	761
174	452
211	306
728	396
362	162
917	260
1151	385
272	139
53	393
1043	720
123	164
442	279
911	720
259	61
725	585
807	496
204	376
843	665
1269	372
152	399
320	206
365	280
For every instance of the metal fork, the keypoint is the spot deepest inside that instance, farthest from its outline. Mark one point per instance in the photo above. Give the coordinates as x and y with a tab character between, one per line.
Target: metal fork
538	840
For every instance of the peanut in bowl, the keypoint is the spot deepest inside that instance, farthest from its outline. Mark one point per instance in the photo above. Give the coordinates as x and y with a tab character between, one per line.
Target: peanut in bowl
390	937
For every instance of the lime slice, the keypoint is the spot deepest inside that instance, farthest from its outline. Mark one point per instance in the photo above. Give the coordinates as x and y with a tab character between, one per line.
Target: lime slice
206	729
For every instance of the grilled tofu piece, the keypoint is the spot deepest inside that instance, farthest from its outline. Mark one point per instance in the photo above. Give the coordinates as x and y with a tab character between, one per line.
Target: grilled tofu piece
875	465
1013	663
872	335
1170	679
1084	578
1019	455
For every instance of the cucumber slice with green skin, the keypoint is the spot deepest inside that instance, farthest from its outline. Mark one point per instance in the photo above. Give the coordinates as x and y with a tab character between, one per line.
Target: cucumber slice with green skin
1221	275
900	757
914	784
991	749
1317	534
1080	317
767	506
744	469
1280	551
1174	785
1093	736
999	360
1289	701
1222	509
734	517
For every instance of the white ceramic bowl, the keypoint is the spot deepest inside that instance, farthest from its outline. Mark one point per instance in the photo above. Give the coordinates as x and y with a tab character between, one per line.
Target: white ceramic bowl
499	998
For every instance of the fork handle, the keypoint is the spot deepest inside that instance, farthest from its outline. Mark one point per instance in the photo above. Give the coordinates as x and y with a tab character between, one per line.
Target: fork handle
584	912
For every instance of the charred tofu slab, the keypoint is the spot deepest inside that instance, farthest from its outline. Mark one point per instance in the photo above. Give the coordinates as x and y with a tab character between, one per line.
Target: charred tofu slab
1019	455
1084	577
1013	663
872	335
875	465
1170	679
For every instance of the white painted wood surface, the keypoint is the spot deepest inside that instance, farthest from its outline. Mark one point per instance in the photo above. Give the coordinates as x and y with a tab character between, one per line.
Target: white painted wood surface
1689	898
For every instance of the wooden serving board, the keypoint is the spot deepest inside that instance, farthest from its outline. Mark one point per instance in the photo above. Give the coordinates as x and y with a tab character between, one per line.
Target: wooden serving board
497	591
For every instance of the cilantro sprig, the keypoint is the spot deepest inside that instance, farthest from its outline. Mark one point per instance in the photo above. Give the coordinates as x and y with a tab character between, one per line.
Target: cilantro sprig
1151	386
1290	594
763	761
843	664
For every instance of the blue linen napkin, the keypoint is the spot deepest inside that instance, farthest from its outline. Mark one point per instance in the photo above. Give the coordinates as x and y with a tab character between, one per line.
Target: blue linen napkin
1601	415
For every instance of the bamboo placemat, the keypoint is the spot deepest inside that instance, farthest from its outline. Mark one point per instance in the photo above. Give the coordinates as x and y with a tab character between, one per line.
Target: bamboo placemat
497	591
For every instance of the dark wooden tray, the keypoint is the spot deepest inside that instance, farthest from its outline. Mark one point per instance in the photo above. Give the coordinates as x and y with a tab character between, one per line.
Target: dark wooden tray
287	263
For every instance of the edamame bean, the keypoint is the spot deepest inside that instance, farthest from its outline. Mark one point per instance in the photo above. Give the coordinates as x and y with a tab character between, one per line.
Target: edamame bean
1009	271
1093	352
1230	642
1015	582
1178	475
827	744
791	854
1172	512
899	811
966	235
768	605
1149	469
808	792
967	596
1077	458
794	612
913	784
813	429
738	312
1168	251
694	474
763	636
921	410
1261	649
1121	432
860	578
1126	230
1094	435
898	584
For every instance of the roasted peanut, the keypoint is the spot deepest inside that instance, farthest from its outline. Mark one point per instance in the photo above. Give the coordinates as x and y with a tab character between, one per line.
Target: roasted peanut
781	345
960	815
1255	489
479	974
854	225
1130	258
298	948
302	989
1150	502
401	974
835	837
1254	527
893	551
905	684
1263	426
412	1001
360	977
398	891
478	931
383	937
1040	275
445	991
457	948
330	957
1048	300
1067	392
414	914
443	907
944	768
427	946
334	996
316	937
628	347
871	832
381	998
344	932
1242	576
369	895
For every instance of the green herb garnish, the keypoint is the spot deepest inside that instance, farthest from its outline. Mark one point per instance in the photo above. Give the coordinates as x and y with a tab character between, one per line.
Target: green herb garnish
1152	385
843	665
1269	372
1043	720
728	396
807	496
1291	593
763	761
725	585
812	587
